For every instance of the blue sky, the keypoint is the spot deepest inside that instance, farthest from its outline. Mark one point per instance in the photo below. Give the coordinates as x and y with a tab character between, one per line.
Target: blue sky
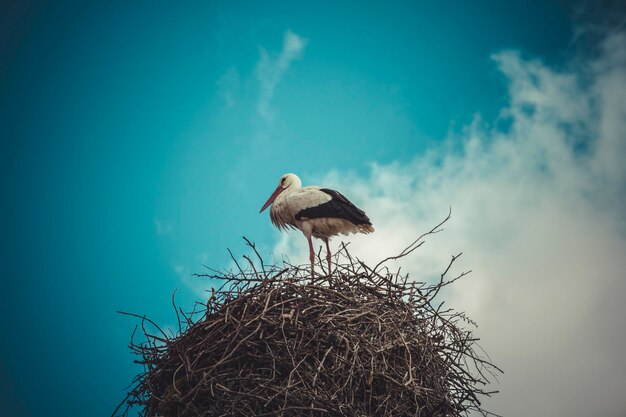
139	142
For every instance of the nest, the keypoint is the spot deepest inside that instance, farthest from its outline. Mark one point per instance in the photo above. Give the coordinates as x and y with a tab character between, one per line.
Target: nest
277	341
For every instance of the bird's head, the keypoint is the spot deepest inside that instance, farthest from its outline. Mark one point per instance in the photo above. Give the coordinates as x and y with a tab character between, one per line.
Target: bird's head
287	181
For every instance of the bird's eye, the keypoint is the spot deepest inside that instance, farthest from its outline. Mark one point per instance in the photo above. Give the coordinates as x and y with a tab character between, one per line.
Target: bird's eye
282	180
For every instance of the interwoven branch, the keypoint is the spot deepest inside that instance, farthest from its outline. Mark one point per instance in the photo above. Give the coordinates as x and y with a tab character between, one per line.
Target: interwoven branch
272	340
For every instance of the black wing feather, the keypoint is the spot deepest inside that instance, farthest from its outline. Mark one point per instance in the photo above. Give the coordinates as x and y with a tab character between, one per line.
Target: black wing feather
338	207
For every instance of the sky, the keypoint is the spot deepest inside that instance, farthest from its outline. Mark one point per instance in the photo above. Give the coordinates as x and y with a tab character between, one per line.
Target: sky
139	141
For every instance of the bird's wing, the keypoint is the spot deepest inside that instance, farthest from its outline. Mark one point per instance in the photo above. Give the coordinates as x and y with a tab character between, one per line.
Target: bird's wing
338	206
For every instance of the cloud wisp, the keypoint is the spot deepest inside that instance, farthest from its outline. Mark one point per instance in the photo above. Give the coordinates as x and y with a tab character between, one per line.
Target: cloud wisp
227	87
538	210
270	70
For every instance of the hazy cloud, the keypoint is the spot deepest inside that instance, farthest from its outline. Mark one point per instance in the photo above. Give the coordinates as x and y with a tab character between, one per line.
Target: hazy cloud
227	87
538	210
270	70
197	285
162	228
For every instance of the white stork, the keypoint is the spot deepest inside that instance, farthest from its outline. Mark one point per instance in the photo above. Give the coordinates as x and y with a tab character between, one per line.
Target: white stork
317	212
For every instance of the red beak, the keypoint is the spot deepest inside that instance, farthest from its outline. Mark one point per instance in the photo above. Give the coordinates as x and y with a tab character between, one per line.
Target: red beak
270	200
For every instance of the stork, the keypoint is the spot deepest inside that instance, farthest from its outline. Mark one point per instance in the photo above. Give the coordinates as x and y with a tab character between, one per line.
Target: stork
317	212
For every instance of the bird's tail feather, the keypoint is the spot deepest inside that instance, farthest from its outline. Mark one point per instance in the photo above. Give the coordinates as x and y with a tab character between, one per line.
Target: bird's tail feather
366	228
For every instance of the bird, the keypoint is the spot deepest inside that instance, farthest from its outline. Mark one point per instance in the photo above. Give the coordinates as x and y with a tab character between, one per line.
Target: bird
317	212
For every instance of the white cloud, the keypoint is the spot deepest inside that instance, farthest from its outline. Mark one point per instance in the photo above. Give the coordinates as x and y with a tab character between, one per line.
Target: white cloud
270	70
197	285
538	210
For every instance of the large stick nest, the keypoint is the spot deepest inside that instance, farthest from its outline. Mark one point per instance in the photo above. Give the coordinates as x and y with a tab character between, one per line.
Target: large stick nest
278	341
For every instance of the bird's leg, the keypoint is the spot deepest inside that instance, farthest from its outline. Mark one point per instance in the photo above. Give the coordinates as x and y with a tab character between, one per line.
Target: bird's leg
328	258
311	254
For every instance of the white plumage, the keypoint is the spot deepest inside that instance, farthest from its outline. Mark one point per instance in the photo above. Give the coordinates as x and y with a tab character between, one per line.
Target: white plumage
317	212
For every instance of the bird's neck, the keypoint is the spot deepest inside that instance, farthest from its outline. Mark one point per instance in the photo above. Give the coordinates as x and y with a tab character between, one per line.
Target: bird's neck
281	197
